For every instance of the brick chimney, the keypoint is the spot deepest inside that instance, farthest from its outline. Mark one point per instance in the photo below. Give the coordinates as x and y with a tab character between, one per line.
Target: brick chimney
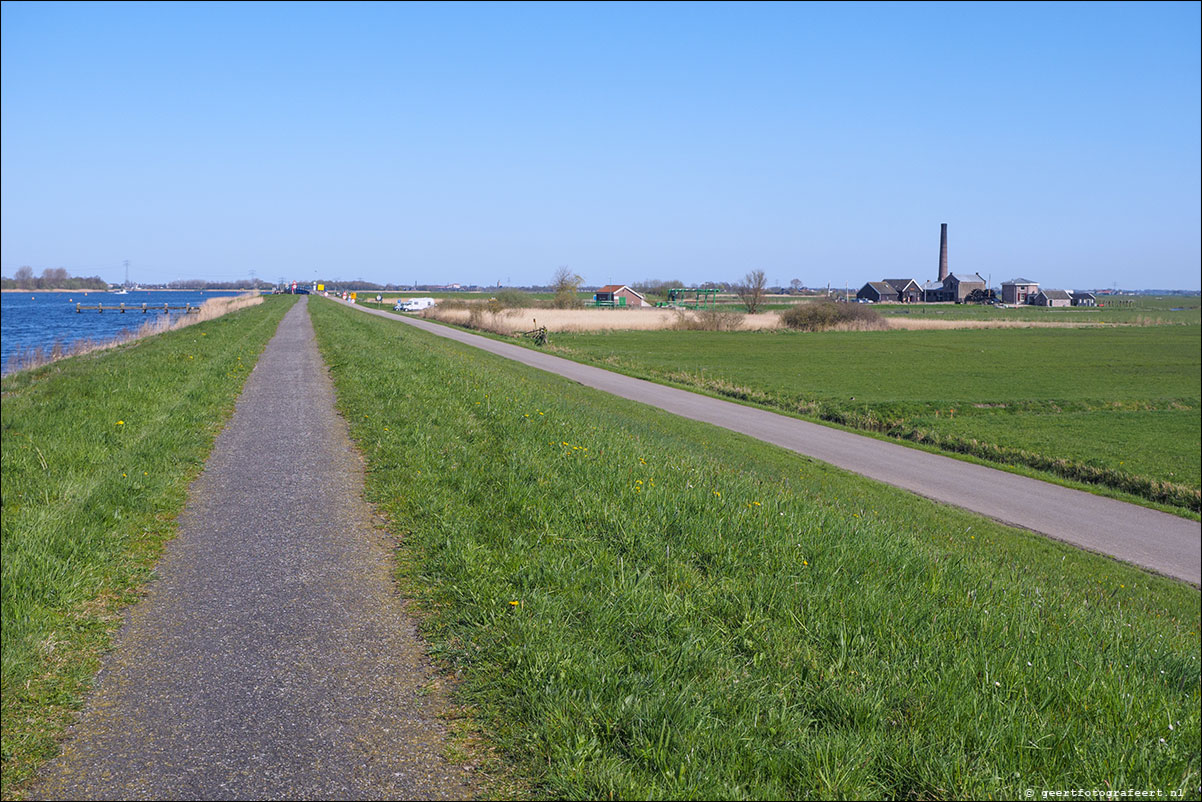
942	251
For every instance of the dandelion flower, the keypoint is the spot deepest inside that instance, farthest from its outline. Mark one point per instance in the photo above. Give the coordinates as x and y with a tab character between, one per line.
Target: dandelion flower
120	423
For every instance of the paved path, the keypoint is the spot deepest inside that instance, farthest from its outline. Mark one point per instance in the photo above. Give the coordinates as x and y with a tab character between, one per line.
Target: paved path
1155	540
272	659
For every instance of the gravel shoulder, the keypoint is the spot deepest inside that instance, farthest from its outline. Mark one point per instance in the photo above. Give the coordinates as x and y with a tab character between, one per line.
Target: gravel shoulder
272	658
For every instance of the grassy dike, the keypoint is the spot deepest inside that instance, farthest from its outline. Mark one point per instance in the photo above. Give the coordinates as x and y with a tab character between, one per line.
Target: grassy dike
97	453
641	606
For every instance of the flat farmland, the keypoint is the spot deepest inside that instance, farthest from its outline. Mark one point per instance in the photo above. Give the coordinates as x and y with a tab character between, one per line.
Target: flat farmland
1119	406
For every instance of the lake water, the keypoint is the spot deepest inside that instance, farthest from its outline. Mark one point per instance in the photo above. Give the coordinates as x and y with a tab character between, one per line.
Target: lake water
37	320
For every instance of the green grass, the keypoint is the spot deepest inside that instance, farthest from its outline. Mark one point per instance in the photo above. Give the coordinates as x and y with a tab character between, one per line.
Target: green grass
645	607
1163	309
1115	406
97	453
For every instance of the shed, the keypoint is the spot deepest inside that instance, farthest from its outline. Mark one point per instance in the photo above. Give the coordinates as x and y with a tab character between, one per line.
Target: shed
1084	298
618	295
1052	298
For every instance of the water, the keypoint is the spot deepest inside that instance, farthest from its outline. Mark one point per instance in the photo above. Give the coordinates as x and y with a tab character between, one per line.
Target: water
30	320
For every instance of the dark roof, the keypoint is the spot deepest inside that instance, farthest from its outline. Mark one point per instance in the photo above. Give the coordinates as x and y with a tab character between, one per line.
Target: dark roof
901	284
1082	294
1019	281
1059	295
882	289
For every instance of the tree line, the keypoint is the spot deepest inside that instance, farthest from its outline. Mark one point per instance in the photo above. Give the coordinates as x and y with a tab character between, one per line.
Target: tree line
52	278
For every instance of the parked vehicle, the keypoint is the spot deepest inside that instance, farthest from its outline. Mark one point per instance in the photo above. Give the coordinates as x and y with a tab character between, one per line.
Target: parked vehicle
413	304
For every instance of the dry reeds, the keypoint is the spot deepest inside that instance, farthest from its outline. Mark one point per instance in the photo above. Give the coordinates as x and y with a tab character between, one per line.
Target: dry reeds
510	321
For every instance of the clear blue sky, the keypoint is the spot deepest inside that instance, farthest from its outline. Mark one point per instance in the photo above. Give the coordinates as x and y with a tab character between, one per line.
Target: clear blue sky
482	143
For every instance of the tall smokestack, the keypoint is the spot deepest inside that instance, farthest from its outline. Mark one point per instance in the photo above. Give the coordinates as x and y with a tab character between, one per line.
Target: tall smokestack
942	251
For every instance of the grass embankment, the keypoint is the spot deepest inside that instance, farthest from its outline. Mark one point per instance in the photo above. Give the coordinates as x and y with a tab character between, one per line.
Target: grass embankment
208	310
646	607
97	453
1115	407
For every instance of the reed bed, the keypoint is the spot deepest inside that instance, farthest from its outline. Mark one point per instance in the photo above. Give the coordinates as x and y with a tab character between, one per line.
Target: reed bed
511	321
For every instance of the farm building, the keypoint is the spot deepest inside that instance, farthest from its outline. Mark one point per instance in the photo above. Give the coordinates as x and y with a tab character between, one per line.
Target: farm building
1019	290
1051	298
1084	299
955	287
878	292
618	295
891	290
907	289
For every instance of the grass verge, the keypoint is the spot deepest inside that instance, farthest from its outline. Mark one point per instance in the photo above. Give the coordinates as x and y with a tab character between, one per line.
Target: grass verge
644	607
97	453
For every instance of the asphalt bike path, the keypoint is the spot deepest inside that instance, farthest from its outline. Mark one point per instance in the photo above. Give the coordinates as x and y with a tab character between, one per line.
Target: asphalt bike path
272	657
1158	541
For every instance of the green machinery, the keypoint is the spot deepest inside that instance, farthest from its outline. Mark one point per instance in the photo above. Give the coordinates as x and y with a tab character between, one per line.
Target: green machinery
691	298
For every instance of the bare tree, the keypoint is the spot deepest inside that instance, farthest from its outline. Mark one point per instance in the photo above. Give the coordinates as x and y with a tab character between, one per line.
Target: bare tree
751	291
565	284
24	277
795	285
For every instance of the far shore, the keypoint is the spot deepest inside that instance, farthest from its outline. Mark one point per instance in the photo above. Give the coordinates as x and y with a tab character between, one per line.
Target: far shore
139	289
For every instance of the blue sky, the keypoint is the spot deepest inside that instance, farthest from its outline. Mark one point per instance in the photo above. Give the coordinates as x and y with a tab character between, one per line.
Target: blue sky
485	143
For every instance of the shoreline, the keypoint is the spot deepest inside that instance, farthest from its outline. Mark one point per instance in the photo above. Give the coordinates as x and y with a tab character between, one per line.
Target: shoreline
114	292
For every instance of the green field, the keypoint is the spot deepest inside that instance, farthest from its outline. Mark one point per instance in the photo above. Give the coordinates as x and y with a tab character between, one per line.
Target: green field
640	606
1119	405
1166	309
96	456
1145	309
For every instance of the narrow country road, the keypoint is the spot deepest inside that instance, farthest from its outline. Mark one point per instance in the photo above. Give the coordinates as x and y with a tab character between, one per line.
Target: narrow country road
1155	540
272	658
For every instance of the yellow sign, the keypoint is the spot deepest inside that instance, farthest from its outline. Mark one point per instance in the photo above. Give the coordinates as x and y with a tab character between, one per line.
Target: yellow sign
354	295
321	288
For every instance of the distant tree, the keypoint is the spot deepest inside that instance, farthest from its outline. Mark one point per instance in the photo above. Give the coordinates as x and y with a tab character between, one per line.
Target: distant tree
24	277
654	288
795	285
751	292
565	284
